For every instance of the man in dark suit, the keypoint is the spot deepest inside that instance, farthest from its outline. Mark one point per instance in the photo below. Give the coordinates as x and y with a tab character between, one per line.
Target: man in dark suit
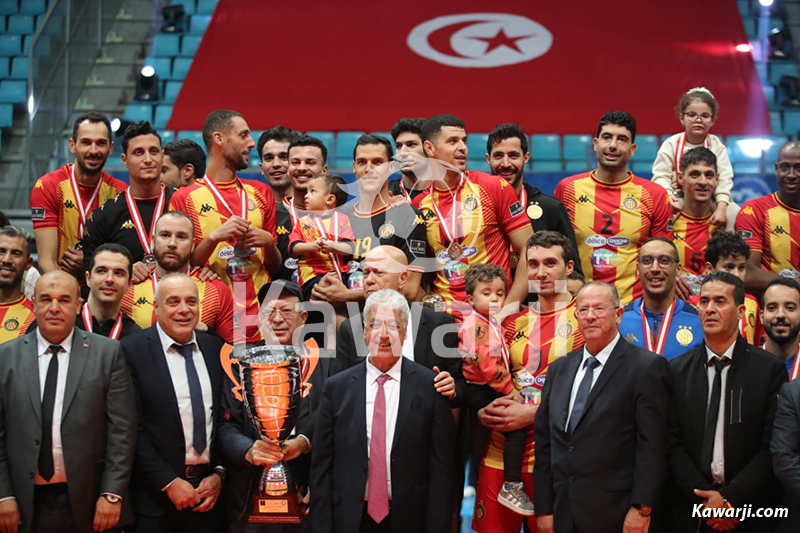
386	267
601	429
384	443
785	450
67	422
723	405
177	378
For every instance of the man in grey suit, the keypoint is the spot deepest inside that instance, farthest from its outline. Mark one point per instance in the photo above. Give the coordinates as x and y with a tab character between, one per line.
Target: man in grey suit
67	422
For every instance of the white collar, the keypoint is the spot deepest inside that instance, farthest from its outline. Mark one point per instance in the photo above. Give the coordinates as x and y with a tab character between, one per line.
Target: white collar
43	345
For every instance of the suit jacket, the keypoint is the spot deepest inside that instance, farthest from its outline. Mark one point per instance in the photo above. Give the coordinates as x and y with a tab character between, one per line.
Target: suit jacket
422	456
161	446
785	450
98	425
352	349
616	456
751	394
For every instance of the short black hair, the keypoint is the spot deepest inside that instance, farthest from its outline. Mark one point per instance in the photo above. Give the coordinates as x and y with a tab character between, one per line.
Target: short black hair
93	117
501	132
407	125
780	280
138	129
729	279
677	256
701	154
218	120
116	249
308	140
548	239
187	152
725	244
618	118
483	273
434	125
335	185
368	139
278	133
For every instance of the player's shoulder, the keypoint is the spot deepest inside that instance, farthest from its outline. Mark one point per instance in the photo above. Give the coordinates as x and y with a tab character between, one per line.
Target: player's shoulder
492	184
185	192
58	175
257	185
575	179
762	203
687	308
114	183
515	321
644	183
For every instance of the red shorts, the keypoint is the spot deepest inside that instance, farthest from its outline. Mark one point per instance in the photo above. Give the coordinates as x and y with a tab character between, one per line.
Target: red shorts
491	517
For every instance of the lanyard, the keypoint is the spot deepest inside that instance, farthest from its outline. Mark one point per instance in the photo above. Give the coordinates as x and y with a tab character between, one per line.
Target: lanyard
87	323
138	223
324	234
208	182
657	345
82	209
504	352
679	151
451	237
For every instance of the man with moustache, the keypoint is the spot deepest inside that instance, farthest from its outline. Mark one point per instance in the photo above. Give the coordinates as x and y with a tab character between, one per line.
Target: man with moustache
184	162
16	311
407	136
781	317
273	149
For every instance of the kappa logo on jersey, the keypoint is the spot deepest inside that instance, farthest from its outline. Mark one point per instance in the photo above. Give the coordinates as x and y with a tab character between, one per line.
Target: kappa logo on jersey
68	204
748	211
127	225
429	215
205	208
142	301
418	220
281	230
582	199
480	40
779	230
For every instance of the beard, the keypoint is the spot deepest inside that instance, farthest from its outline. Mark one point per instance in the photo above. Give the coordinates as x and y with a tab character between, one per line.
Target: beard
782	339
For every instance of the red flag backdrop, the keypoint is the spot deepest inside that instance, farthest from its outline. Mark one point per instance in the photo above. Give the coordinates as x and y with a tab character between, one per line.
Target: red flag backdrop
553	67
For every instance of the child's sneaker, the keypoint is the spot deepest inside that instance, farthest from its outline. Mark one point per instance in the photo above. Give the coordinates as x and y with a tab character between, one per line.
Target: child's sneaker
513	497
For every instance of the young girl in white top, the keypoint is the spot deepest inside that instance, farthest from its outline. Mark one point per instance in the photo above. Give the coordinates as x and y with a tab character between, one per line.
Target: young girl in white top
697	113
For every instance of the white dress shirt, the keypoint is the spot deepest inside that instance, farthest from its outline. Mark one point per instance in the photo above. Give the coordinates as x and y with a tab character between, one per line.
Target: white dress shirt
391	391
408	343
45	355
602	358
718	454
180	382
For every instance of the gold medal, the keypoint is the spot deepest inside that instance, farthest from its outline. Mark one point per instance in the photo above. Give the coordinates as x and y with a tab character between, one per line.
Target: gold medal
455	251
386	231
535	212
434	301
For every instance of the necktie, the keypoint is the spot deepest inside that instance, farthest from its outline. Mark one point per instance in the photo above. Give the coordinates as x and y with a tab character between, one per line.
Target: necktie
378	504
46	467
583	393
711	416
196	394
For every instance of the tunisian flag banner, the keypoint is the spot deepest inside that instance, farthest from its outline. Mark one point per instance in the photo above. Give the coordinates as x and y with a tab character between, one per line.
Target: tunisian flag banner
553	67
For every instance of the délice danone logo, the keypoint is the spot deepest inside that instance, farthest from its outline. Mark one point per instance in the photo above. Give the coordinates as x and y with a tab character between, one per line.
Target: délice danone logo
480	40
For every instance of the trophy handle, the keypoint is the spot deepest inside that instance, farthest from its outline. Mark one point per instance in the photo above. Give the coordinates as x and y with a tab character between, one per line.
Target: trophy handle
227	366
308	363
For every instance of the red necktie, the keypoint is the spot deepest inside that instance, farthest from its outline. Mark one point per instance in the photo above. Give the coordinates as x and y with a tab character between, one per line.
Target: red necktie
378	504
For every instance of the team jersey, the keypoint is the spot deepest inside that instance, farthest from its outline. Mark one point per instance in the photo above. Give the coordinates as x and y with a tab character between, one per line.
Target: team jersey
216	305
307	230
772	228
611	221
401	226
243	266
16	318
685	330
284	223
690	236
53	204
484	211
485	352
535	340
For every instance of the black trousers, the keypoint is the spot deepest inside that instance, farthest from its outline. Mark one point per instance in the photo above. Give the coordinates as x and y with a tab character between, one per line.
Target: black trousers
368	525
51	509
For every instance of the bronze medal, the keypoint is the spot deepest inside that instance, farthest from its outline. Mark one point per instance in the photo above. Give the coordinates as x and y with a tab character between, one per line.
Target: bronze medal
455	251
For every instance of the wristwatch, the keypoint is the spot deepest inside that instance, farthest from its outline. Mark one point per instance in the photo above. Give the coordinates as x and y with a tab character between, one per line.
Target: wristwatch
220	471
643	509
110	498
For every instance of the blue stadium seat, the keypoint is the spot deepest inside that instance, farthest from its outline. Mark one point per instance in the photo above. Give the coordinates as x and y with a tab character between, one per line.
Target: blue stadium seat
196	136
791	122
180	68
769	95
542	165
206	7
781	68
167	136
198	24
744	160
20	24
384	134
5	67
640	167
6	115
744	7
13	92
771	154
545	148
10	45
476	147
163	113
776	122
33	7
166	45
750	28
479	165
19	68
162	66
646	149
577	148
188	5
327	139
137	112
345	142
575	166
2	24
190	44
171	91
9	7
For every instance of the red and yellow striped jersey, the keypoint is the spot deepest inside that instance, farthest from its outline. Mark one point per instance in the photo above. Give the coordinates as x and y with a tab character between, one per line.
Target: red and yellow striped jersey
201	205
15	317
690	236
535	340
486	211
216	305
316	264
611	221
752	328
772	228
53	204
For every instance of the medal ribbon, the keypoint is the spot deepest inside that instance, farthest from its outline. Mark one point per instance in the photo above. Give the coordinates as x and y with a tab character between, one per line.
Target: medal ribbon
442	222
292	212
87	323
657	345
82	209
147	243
404	191
208	182
679	152
504	352
321	227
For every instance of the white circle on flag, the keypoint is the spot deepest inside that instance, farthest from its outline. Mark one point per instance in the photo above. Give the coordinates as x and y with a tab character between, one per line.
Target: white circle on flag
480	40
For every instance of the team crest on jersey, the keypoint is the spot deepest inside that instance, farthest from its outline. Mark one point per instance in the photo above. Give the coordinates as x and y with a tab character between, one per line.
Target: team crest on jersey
535	211
480	511
251	205
564	330
684	336
480	332
12	324
751	320
471	203
68	204
282	230
38	213
630	203
127	225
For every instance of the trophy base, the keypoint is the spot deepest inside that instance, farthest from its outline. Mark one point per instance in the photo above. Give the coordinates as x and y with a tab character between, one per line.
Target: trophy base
276	509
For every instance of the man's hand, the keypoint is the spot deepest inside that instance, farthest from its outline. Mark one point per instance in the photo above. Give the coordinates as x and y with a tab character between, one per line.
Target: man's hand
257	238
206	274
9	516
201	326
208	489
635	522
182	494
683	288
444	383
72	261
234	228
264	452
329	289
677	205
294	447
720	218
544	523
106	514
714	500
505	414
139	272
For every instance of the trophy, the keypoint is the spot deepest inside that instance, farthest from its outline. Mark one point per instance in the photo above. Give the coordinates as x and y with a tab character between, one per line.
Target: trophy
272	380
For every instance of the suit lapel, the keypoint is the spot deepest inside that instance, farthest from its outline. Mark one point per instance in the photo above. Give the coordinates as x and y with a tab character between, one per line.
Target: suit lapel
30	368
408	387
561	399
606	373
77	363
360	411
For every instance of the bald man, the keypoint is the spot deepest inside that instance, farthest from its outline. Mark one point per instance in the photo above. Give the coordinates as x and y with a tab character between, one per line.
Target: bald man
386	267
771	225
67	421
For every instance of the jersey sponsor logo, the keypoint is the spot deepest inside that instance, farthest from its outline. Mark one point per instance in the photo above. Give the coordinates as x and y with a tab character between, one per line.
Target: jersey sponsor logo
524	379
789	273
290	263
12	324
670	225
583	199
226	253
38	213
630	203
443	257
744	234
604	260
469	251
455	270
471	203
480	40
596	241
619	241
539	380
205	208
515	209
355	281
417	247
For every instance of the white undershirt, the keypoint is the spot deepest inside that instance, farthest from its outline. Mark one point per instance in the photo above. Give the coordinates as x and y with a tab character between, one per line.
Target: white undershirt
718	454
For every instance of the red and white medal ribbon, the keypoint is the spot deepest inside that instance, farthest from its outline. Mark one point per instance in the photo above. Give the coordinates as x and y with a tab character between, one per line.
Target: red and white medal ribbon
145	238
321	227
404	191
679	151
292	211
83	210
657	345
451	237
504	352
209	183
87	323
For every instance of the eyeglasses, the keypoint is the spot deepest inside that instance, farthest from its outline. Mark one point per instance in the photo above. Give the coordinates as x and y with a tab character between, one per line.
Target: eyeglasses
599	312
705	117
287	313
787	167
663	260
